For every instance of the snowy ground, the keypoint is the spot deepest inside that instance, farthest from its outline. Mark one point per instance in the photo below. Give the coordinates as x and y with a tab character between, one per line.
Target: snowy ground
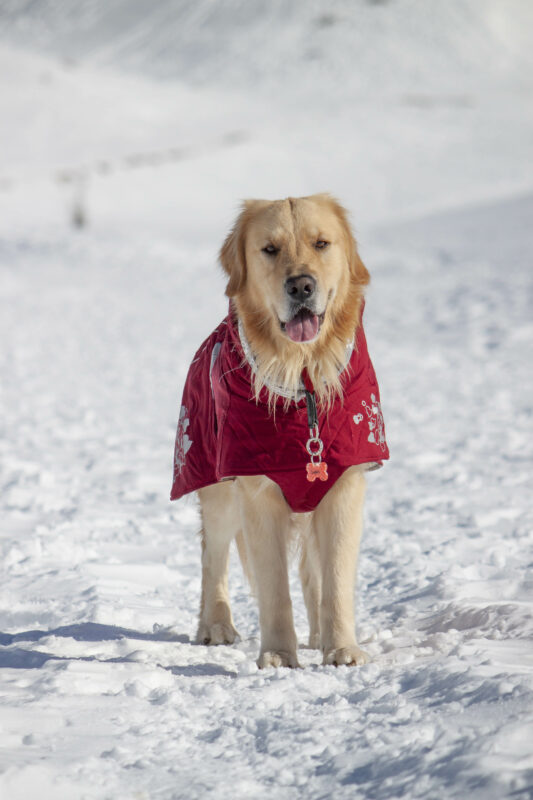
102	692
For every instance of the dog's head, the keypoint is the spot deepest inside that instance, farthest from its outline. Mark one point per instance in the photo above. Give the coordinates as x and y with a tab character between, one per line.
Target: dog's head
296	279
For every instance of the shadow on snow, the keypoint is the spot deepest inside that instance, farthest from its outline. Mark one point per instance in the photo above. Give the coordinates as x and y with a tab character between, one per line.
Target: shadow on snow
20	658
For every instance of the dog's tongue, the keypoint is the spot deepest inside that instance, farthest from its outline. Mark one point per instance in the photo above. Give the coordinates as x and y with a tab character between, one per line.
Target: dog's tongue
302	327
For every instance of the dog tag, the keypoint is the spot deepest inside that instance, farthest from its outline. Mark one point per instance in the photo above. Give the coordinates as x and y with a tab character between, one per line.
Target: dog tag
316	468
315	471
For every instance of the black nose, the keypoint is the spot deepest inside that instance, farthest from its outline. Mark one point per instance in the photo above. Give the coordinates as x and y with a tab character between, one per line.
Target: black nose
300	288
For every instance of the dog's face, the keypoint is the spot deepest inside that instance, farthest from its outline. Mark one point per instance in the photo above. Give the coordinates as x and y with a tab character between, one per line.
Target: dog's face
293	267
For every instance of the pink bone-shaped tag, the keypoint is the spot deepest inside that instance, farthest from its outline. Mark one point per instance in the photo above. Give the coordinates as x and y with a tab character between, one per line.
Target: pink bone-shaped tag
315	471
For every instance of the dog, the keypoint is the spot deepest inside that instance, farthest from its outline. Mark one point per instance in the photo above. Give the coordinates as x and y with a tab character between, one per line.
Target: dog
280	420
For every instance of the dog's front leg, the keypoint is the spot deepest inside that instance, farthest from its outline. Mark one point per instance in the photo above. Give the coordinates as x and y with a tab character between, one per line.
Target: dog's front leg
219	526
265	521
337	525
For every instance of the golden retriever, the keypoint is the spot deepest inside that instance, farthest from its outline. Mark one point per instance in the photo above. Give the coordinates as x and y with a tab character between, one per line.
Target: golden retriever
296	283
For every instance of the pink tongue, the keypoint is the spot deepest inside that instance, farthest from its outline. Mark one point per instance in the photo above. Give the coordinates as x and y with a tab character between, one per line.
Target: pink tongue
303	327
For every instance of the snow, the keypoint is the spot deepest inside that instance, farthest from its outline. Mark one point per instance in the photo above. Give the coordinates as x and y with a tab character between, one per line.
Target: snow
156	124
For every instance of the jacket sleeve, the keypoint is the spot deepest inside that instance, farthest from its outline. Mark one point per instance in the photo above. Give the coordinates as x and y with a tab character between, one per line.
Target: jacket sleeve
195	446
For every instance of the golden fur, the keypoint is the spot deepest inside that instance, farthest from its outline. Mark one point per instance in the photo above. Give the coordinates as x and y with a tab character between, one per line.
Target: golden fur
270	243
294	225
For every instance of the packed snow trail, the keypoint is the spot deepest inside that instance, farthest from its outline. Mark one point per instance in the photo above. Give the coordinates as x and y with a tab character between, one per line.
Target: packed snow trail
103	692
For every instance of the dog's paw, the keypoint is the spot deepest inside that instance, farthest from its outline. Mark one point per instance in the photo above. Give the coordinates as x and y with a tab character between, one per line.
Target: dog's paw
277	658
351	656
216	633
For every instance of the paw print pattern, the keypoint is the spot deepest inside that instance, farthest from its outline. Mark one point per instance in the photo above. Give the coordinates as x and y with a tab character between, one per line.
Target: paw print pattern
376	426
183	442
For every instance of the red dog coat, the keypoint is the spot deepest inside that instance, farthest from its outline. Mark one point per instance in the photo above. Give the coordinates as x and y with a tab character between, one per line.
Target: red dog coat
223	432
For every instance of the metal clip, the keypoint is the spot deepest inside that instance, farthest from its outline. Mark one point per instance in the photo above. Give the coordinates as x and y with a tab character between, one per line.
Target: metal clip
316	468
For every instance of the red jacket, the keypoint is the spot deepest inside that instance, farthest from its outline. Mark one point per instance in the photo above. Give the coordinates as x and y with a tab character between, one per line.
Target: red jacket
223	432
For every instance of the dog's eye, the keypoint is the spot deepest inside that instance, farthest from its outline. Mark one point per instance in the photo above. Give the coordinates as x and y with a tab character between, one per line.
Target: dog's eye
321	244
270	250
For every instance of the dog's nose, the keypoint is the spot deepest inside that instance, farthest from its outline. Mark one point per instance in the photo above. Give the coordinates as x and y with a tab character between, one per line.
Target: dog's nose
300	288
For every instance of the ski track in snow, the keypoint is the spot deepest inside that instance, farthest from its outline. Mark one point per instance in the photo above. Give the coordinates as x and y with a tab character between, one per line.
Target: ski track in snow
103	693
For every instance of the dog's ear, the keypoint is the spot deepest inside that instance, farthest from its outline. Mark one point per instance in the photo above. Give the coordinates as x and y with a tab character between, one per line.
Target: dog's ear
233	252
358	271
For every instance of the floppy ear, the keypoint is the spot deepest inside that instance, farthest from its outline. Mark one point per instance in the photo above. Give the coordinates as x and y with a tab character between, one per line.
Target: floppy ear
359	272
232	253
